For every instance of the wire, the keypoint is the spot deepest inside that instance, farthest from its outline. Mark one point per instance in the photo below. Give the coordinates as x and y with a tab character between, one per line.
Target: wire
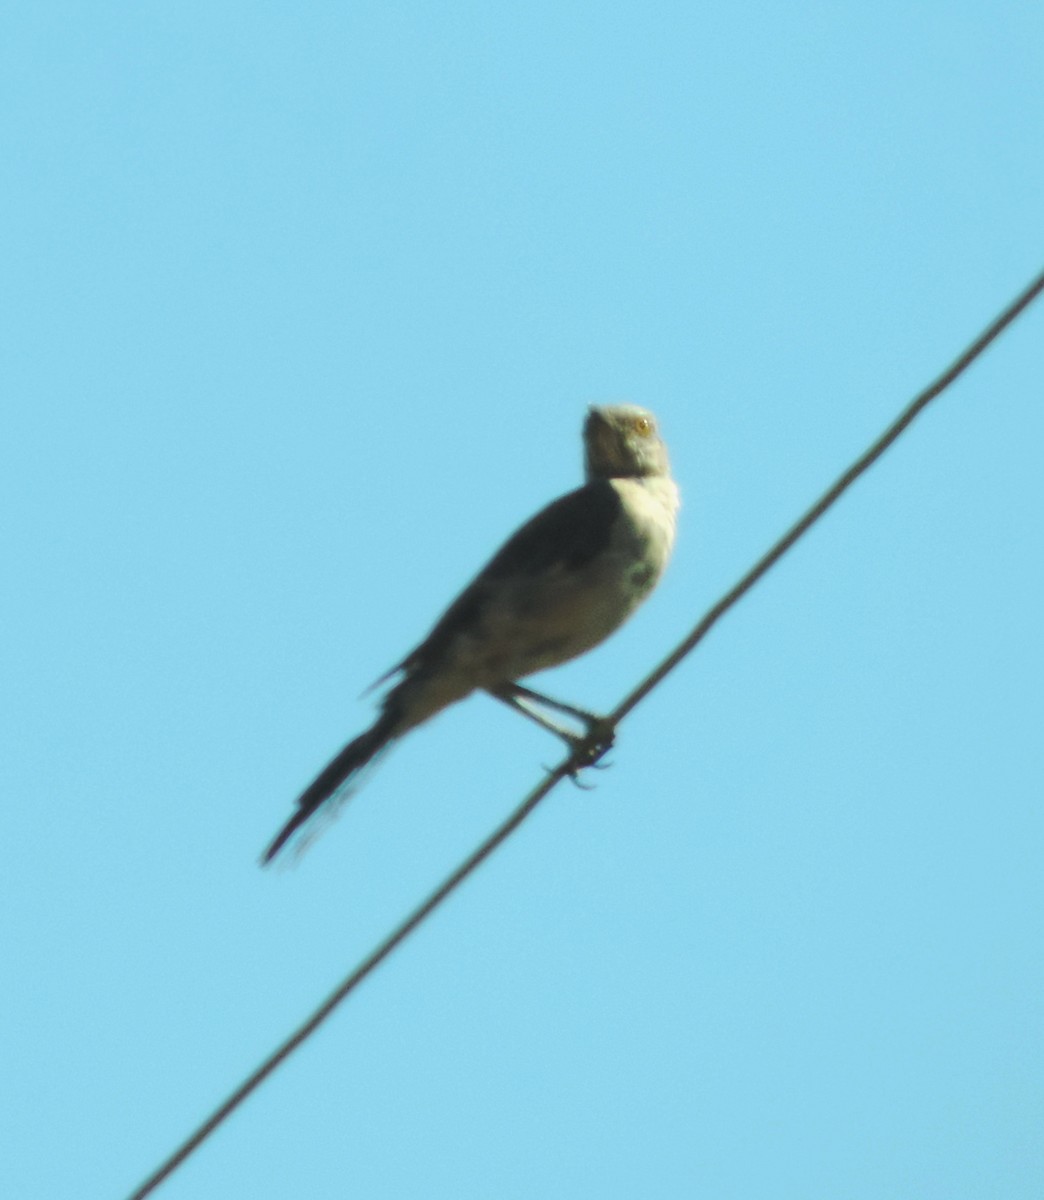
570	765
840	485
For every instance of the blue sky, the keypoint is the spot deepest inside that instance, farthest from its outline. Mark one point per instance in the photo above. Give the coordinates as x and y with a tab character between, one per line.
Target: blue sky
302	308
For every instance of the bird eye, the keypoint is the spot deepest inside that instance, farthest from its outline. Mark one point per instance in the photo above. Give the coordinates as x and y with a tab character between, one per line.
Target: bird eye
642	426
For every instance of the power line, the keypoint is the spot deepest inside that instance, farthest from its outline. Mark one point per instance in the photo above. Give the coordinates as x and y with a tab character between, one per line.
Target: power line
580	756
833	493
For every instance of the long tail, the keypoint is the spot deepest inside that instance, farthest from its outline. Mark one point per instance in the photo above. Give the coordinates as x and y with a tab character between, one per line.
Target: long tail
332	778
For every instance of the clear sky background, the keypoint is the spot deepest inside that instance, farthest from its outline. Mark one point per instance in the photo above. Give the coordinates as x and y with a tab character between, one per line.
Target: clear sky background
302	308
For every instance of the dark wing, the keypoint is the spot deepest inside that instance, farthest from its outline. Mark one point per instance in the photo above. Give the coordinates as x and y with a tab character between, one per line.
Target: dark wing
571	532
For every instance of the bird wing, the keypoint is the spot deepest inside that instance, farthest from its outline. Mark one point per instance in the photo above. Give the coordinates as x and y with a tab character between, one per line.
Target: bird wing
570	532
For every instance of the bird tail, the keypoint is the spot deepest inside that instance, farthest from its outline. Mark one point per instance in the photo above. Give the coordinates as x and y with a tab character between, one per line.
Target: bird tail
334	776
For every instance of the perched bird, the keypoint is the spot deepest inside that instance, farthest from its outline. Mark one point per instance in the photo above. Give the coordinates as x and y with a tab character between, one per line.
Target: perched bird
559	586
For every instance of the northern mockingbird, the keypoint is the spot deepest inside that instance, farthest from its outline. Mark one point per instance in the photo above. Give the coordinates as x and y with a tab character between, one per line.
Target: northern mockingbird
559	586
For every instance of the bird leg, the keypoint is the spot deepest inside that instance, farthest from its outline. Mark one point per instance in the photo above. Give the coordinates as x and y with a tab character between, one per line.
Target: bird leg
509	691
587	748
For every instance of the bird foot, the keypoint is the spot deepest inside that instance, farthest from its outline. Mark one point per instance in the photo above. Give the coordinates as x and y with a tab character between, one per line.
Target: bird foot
589	749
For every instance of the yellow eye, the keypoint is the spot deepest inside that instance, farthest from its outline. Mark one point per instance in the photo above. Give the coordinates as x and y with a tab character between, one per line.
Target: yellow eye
642	426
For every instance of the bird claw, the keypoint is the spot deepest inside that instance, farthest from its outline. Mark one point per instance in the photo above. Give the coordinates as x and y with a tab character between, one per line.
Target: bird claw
587	751
577	782
590	749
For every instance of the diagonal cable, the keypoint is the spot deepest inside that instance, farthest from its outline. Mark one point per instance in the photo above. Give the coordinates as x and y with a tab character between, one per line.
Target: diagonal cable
570	765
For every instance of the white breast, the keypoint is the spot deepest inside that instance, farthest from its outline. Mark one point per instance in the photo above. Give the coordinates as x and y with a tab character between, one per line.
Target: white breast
646	532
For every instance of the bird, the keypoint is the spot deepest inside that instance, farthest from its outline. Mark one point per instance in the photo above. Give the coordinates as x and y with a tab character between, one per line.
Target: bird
560	585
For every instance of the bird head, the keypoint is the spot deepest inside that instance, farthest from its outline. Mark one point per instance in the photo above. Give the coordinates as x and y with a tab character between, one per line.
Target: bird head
622	440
